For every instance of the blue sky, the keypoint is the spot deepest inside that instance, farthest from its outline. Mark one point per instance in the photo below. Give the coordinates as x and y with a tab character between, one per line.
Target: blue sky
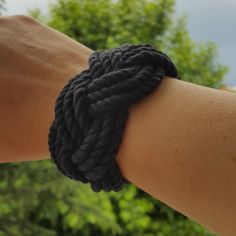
208	20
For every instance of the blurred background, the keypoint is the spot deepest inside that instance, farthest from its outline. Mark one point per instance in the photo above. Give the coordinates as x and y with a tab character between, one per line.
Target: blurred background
198	35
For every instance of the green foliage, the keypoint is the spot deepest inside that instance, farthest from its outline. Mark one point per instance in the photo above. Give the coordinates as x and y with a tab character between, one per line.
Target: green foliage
36	13
36	199
106	23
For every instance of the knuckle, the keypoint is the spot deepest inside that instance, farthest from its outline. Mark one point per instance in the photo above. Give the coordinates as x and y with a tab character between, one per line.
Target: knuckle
17	21
4	18
19	18
23	17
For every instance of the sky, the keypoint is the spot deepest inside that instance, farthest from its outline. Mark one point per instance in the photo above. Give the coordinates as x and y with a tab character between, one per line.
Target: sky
208	20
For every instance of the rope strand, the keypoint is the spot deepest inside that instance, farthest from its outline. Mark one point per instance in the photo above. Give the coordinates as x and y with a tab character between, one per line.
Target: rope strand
92	109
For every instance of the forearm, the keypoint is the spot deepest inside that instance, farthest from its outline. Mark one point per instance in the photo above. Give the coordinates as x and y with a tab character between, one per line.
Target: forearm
24	125
32	73
180	147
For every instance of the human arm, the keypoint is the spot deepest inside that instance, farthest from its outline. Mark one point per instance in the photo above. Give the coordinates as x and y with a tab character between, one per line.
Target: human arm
35	64
180	147
179	142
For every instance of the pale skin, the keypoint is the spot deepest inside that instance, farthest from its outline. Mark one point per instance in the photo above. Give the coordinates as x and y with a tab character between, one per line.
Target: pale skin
179	144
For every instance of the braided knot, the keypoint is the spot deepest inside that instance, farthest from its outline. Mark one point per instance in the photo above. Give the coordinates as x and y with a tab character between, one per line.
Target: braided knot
92	109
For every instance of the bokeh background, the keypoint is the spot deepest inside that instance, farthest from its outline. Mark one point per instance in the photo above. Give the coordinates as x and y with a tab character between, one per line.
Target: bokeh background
35	199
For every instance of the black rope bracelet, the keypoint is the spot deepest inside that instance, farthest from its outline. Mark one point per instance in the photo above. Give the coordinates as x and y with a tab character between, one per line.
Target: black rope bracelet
92	109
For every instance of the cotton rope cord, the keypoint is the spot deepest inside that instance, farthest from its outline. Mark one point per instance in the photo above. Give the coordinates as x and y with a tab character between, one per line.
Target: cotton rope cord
92	109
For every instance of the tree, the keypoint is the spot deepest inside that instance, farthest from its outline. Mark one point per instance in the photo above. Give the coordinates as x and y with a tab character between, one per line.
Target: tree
36	199
106	23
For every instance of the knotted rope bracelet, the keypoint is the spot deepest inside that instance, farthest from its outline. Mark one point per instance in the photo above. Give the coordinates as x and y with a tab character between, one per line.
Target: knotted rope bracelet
92	109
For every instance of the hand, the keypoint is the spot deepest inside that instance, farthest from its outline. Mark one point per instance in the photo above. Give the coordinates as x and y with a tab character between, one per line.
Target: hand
36	61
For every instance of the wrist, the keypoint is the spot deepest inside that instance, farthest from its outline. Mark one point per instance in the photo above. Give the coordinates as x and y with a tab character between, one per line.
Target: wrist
73	64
